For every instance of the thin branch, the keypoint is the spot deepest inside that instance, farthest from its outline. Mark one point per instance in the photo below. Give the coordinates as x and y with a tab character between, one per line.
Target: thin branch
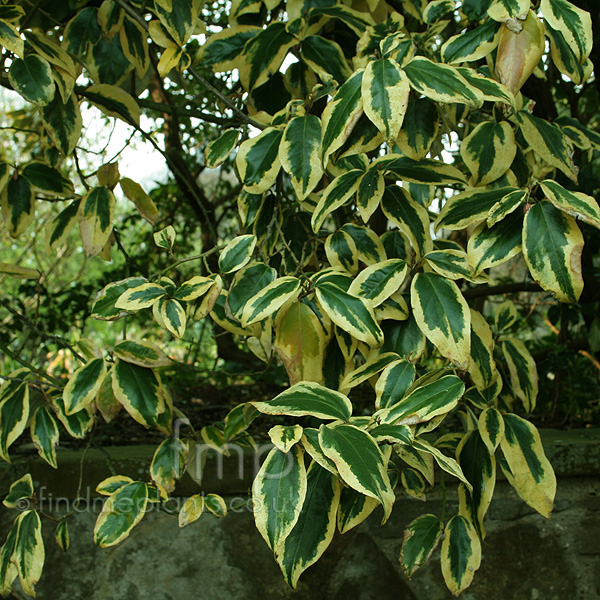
508	288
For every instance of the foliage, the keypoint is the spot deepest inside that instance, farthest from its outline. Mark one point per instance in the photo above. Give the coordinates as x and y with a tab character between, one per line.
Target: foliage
398	162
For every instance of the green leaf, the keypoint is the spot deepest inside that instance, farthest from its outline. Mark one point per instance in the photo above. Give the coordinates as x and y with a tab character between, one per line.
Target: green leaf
523	372
222	49
18	206
237	253
482	367
385	91
424	402
215	504
492	246
114	102
104	305
369	193
61	536
31	77
452	264
409	216
47	179
82	31
13	42
134	42
352	314
492	90
325	58
258	161
479	468
44	435
573	23
63	122
172	315
337	193
461	554
179	17
284	437
340	115
270	299
19	489
426	171
419	128
441	83
491	428
530	473
371	367
421	538
83	385
368	244
263	54
219	150
442	314
506	206
549	142
552	245
14	414
121	512
489	150
575	204
469	207
359	461
96	215
168	463
138	294
29	552
278	492
140	391
354	509
308	399
471	45
393	383
314	527
341	251
299	153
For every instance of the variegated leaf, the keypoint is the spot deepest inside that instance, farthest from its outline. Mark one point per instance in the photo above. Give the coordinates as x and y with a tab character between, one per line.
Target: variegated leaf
83	385
139	295
378	282
385	91
237	253
393	383
354	509
489	150
325	58
368	244
258	161
278	493
523	372
573	23
14	414
424	402
369	193
31	77
121	512
409	216
531	473
315	525
442	314
371	367
352	314
285	436
341	251
96	214
299	153
168	463
471	45
419	128
491	428
482	367
18	205
552	245
425	171
461	554
452	264
114	102
441	83
575	204
359	462
308	398
192	509
172	316
222	50
421	538
270	299
29	553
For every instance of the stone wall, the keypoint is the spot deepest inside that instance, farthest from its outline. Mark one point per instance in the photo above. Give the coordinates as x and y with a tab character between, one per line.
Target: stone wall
525	556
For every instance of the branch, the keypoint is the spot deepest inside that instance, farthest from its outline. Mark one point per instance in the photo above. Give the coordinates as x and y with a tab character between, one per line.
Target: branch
507	288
